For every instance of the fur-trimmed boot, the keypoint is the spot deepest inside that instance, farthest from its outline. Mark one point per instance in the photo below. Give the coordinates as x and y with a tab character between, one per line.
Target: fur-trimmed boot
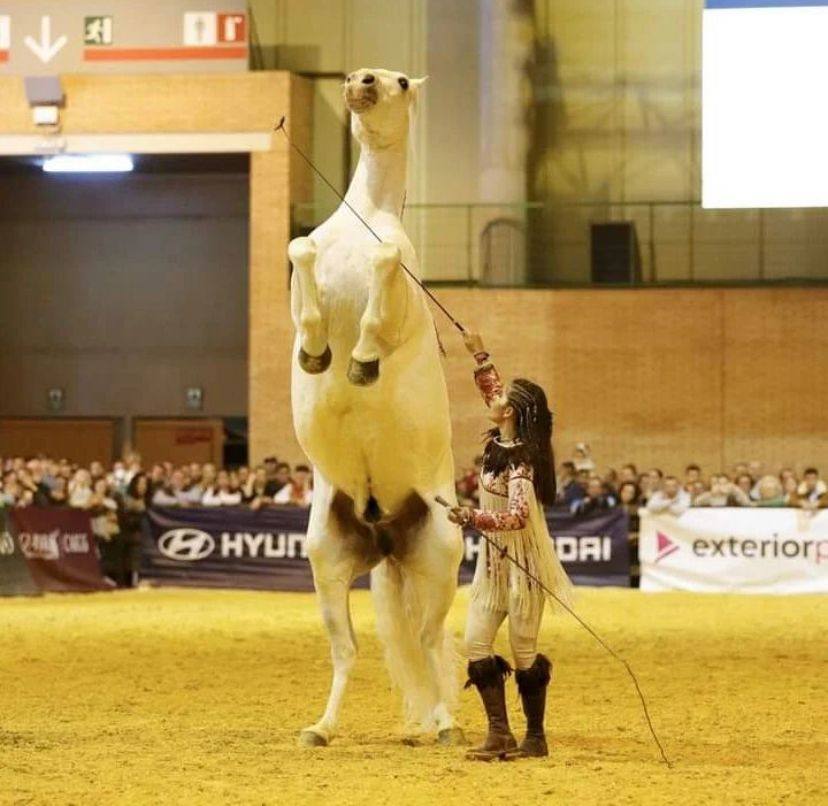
532	684
488	676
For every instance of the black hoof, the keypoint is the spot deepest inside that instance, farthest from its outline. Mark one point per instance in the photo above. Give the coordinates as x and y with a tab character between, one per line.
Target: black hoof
363	373
314	364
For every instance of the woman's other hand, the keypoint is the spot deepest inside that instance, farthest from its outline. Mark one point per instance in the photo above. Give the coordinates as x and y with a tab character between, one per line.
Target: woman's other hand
473	342
460	515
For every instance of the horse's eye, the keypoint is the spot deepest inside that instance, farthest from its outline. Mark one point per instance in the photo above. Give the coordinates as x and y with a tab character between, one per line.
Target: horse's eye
403	83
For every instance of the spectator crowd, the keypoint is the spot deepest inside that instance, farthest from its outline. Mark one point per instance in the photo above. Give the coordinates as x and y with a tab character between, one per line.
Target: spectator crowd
118	497
584	491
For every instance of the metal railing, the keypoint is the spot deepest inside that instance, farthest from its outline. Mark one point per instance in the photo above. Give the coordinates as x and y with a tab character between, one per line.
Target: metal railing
551	244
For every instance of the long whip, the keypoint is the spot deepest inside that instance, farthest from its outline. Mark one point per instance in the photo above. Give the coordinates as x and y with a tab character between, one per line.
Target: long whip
504	553
280	127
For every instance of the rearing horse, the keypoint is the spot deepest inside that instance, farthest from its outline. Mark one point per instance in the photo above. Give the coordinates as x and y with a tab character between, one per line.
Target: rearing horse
370	408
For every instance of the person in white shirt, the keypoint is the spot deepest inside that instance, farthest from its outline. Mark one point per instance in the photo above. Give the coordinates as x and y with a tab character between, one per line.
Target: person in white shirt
671	498
298	491
220	494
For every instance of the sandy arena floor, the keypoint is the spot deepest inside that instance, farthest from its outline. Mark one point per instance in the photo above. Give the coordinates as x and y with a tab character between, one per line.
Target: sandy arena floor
176	696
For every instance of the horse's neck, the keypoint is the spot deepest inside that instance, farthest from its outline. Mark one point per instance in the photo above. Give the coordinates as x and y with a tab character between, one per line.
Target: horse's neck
378	183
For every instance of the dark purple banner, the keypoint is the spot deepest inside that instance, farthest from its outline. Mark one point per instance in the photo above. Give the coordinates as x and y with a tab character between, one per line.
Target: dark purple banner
59	548
235	547
15	579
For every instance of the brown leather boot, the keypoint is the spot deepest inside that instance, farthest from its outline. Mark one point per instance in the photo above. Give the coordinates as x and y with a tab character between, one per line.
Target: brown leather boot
532	684
488	676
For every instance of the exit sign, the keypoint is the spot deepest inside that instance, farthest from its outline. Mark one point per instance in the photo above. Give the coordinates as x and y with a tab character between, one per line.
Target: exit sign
48	37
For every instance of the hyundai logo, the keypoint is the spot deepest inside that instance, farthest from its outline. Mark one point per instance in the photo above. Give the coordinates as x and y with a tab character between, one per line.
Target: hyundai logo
186	545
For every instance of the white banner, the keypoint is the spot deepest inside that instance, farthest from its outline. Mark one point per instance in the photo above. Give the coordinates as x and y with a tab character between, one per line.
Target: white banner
713	550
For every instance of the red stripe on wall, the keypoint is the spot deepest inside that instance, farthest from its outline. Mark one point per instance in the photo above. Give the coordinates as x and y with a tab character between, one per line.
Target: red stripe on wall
162	54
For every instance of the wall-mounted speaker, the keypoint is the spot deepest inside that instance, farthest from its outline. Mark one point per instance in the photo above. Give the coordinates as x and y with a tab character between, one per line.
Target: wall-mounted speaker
615	254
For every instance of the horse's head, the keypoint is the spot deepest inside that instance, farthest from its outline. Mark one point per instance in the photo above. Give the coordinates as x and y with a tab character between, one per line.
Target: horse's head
381	103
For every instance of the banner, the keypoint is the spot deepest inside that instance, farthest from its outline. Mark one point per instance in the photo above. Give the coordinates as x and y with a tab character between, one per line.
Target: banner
227	547
59	548
15	579
715	550
233	547
594	549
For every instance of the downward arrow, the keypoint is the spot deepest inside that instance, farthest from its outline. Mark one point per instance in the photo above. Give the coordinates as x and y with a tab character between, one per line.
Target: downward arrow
45	50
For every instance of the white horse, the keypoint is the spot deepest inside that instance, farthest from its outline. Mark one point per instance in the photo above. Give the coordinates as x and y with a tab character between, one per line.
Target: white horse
370	409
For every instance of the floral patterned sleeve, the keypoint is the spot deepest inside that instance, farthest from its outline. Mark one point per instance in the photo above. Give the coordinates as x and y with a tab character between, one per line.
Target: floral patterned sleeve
487	379
517	513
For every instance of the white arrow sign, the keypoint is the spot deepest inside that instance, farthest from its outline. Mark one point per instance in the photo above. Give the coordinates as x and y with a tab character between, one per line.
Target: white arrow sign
45	50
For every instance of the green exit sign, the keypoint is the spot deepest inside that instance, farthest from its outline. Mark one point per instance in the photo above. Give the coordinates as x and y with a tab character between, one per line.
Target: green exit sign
97	30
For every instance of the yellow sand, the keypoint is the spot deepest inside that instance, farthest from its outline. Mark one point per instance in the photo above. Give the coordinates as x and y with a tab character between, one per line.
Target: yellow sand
177	696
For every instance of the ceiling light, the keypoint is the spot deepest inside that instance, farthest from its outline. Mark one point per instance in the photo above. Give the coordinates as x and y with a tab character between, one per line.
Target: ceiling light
88	163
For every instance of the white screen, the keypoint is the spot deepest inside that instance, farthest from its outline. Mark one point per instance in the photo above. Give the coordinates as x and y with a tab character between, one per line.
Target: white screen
765	104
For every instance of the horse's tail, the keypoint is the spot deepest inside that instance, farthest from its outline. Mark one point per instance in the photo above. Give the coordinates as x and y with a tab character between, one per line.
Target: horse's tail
401	628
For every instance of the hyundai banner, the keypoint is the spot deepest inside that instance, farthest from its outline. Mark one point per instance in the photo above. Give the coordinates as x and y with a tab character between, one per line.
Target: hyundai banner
735	551
236	547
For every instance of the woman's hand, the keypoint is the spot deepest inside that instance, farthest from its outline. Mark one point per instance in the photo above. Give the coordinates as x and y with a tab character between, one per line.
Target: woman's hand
473	342
462	516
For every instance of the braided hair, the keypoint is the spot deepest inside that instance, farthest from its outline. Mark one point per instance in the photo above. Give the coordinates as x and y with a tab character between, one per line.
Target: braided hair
533	425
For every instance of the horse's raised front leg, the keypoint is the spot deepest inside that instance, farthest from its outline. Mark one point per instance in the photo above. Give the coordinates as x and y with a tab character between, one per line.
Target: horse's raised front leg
314	352
382	321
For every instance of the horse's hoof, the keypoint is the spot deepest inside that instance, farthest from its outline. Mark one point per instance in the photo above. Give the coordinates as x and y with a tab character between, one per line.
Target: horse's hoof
451	737
310	738
363	373
314	364
411	741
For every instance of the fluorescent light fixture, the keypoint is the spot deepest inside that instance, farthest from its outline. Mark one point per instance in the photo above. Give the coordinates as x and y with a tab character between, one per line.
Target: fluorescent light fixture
88	163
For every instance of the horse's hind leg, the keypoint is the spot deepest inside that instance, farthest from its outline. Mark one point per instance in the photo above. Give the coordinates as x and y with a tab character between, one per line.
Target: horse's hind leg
333	599
314	352
383	316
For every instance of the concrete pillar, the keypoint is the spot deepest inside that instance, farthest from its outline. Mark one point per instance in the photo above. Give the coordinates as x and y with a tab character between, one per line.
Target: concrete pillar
506	37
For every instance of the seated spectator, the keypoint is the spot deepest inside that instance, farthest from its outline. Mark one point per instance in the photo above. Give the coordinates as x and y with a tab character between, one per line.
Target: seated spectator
789	488
569	487
770	492
582	457
629	497
279	479
104	510
811	492
610	481
58	495
298	491
80	490
671	498
254	491
220	494
723	493
744	481
595	499
649	483
627	473
692	474
172	493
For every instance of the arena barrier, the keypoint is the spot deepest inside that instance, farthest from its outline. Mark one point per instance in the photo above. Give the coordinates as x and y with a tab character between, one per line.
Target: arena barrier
735	550
234	547
54	548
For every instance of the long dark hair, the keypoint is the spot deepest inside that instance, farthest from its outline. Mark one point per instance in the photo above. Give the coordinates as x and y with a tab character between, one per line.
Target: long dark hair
533	424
